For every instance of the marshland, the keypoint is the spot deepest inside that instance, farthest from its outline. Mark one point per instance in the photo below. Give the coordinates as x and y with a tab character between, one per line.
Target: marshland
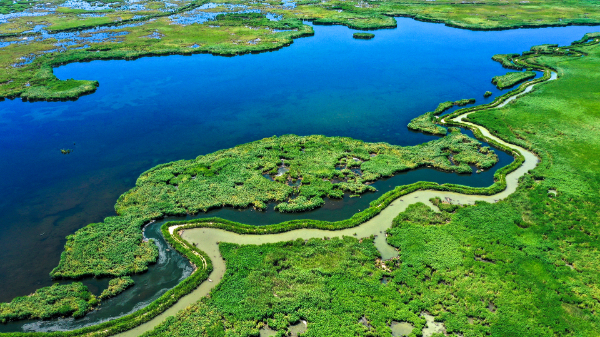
213	103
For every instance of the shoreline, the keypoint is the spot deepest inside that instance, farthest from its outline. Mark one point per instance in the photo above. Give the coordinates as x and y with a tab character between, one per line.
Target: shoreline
88	55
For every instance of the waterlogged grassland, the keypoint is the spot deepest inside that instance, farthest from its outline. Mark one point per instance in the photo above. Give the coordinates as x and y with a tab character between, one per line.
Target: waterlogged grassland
512	78
319	166
234	34
331	284
58	300
143	28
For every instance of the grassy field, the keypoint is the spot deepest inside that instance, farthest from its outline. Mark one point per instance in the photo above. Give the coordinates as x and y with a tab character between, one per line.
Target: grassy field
131	30
524	266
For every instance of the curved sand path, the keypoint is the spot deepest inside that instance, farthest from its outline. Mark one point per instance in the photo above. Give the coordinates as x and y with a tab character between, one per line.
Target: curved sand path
207	239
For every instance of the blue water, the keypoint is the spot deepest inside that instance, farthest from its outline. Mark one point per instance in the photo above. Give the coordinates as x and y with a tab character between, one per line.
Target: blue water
159	109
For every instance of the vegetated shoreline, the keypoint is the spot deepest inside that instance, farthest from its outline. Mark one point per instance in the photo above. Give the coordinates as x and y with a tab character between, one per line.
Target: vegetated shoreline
197	257
86	55
447	23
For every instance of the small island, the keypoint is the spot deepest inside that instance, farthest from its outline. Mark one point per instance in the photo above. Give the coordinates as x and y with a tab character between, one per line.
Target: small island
511	78
363	36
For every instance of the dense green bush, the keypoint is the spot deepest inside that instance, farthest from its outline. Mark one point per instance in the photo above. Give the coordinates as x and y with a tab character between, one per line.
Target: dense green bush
330	284
116	286
57	300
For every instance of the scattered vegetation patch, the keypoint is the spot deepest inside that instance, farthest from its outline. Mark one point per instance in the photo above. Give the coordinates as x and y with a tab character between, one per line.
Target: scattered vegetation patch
59	90
507	61
427	122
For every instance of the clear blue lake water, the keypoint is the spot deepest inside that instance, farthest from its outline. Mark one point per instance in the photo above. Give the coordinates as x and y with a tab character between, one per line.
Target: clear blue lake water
159	109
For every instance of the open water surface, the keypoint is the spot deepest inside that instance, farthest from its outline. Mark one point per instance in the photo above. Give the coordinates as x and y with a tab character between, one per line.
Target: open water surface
160	109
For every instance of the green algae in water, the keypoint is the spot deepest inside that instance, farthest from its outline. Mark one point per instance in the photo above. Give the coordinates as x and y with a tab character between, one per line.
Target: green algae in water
401	329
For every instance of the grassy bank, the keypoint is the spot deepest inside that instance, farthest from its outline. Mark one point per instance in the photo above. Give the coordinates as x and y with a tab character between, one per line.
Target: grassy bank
57	300
427	122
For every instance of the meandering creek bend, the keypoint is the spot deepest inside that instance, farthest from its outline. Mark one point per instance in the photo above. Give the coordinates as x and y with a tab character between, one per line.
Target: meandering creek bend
207	239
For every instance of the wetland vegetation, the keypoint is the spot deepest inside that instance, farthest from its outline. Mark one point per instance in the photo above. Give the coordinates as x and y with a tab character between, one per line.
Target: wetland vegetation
236	178
427	122
57	300
486	269
36	37
468	266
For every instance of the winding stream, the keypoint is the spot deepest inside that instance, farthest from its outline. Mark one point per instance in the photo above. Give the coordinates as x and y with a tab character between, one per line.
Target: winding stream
207	239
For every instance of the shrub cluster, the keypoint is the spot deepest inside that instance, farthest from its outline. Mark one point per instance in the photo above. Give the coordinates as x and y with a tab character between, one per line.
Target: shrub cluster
57	300
116	286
